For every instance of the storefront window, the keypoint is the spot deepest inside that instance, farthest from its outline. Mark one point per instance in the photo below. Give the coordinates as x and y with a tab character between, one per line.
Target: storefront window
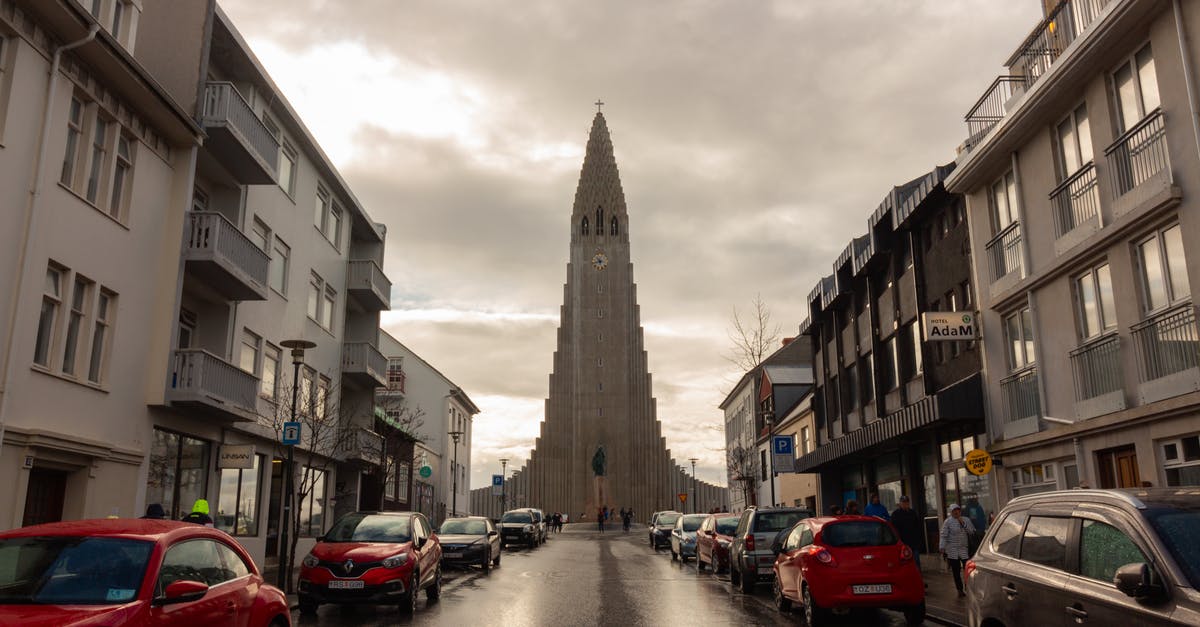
976	495
931	495
312	504
178	473
237	505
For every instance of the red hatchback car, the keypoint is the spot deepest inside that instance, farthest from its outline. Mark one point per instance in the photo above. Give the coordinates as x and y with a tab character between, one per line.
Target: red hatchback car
847	562
373	557
132	572
713	539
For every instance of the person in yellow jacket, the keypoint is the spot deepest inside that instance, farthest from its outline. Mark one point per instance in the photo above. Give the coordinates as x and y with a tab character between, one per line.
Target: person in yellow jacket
199	514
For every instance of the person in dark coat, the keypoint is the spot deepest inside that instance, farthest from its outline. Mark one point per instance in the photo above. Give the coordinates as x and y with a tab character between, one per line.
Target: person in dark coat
199	514
155	511
908	523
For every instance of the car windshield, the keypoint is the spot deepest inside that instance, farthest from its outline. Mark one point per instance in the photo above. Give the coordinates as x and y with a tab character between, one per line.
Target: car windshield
517	517
464	526
692	522
370	528
857	533
1176	527
727	526
667	520
62	570
777	521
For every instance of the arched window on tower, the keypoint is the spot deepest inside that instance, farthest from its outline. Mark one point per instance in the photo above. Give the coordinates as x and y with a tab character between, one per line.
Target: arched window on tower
585	226
614	230
599	220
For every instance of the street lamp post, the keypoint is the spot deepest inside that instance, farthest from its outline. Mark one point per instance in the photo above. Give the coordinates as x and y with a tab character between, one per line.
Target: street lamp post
503	484
454	499
771	456
694	504
284	577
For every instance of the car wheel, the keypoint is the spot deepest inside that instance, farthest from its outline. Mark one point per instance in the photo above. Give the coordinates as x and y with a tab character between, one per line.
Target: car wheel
487	562
782	603
915	615
747	582
308	605
814	615
408	603
434	591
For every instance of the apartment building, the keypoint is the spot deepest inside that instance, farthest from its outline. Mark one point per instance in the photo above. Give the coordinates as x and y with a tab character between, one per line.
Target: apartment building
895	411
154	330
799	489
428	405
1080	172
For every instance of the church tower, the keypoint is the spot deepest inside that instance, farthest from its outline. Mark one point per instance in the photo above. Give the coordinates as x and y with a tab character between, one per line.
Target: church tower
600	442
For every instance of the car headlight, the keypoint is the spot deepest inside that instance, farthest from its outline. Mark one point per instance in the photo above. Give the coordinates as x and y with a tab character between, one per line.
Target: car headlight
310	561
528	528
396	561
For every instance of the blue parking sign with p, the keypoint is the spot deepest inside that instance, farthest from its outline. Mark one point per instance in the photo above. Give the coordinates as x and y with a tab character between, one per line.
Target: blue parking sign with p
782	444
497	485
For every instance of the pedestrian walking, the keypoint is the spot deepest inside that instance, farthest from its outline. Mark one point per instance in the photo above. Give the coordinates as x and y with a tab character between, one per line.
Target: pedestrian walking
601	514
852	508
199	514
876	509
908	524
955	538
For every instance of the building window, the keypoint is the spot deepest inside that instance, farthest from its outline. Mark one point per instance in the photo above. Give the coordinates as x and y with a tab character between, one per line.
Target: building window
287	168
1018	332
914	333
762	464
1074	142
280	260
101	328
322	208
178	473
251	346
890	365
118	19
615	228
260	234
237	504
868	379
583	229
97	158
1136	85
312	503
321	302
1163	273
328	305
1032	479
1181	461
805	440
74	132
121	177
76	319
321	402
109	163
270	372
1095	305
315	288
850	391
1003	202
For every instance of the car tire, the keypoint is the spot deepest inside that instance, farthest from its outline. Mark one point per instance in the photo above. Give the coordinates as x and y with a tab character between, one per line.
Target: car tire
486	564
308	605
496	560
408	603
915	614
814	615
434	591
782	603
735	577
746	582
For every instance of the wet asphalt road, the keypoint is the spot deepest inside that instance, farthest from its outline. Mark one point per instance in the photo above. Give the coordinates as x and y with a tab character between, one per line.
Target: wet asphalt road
582	577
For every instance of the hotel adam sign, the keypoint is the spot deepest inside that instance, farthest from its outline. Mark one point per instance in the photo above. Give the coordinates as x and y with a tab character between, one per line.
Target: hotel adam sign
948	326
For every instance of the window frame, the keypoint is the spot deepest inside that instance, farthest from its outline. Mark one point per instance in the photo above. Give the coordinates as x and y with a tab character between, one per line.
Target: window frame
1164	270
77	319
1130	63
257	472
1102	311
1003	217
273	354
102	325
1064	154
281	254
254	342
45	340
1028	339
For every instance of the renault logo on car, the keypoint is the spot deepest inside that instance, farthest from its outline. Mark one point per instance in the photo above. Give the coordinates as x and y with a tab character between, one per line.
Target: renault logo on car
348	566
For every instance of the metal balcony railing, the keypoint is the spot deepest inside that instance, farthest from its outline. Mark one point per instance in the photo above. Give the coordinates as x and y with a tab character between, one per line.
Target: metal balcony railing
362	444
210	232
365	274
1139	154
990	109
1076	200
1096	367
1004	251
1167	343
224	106
1020	393
364	358
198	375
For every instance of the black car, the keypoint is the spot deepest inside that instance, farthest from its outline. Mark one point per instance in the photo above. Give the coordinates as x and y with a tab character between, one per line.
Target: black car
470	541
1095	557
518	527
660	528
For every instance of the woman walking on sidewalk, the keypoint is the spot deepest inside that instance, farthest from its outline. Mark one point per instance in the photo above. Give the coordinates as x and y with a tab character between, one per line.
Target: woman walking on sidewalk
955	538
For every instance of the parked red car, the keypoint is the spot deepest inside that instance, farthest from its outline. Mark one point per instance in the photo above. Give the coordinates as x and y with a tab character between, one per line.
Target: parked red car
373	557
712	541
847	562
114	572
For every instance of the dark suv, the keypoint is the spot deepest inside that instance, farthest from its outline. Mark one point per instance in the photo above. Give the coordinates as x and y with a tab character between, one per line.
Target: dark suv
1096	557
750	554
660	528
518	527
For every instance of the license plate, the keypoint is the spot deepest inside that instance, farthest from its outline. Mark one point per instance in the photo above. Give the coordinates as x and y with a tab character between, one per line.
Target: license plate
346	584
879	588
452	554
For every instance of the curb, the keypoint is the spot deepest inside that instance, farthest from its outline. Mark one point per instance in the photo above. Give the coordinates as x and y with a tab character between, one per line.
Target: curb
942	616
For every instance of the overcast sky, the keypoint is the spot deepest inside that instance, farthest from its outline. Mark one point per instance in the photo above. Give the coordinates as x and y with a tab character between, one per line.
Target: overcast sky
753	139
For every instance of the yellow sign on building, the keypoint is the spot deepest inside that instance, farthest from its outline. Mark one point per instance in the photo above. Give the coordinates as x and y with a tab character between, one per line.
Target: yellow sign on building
978	462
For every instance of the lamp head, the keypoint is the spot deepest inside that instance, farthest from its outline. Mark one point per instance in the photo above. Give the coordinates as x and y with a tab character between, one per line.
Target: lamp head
298	347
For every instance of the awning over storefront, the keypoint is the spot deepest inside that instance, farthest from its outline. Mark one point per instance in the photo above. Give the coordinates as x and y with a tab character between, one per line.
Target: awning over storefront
958	402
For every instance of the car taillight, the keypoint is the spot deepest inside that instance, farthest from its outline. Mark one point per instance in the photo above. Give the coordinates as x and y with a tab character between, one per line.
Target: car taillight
968	570
821	555
906	553
749	539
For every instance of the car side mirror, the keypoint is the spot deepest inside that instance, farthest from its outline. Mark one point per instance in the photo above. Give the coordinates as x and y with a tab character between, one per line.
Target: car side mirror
183	591
419	542
1138	580
493	533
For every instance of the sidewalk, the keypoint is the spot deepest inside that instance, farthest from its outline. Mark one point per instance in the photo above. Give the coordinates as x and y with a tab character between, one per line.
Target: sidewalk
942	603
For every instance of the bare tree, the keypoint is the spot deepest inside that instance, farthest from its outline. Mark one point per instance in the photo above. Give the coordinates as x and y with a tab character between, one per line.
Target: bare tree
753	337
401	424
742	462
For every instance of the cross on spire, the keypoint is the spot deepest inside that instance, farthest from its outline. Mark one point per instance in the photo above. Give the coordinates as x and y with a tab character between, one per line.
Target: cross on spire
599	103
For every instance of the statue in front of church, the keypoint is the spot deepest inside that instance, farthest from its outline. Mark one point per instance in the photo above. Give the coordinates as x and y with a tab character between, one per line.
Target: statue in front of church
599	470
599	462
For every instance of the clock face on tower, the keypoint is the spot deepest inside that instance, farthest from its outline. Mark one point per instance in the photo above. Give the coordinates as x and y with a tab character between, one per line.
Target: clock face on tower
599	260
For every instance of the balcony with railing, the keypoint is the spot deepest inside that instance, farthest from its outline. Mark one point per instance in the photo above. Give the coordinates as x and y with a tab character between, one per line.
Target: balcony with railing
1096	367
1022	403
364	365
1168	353
992	106
362	445
1075	207
218	252
1138	164
201	380
368	286
1004	253
237	137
